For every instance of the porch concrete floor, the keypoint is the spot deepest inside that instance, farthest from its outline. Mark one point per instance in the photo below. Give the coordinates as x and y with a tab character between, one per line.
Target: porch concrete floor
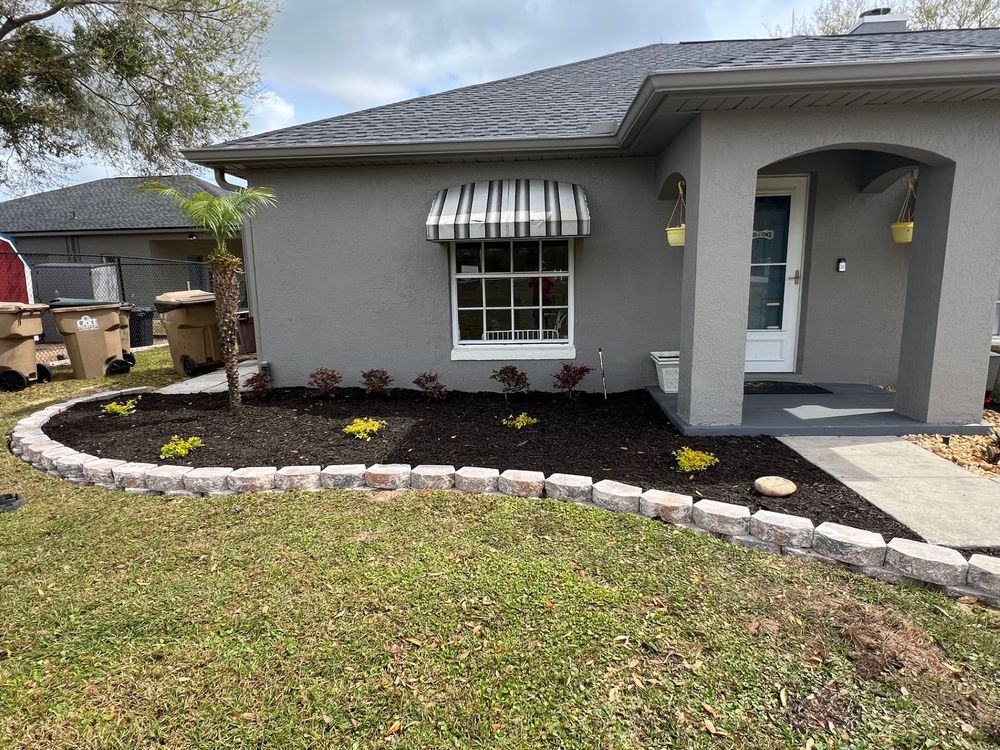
939	500
849	409
211	382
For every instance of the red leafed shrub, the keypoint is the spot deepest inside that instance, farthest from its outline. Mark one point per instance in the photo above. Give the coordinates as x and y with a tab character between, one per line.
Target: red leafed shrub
431	386
512	380
376	382
324	381
569	377
256	385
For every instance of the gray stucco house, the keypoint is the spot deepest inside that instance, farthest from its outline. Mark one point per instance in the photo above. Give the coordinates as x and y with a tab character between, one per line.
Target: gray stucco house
523	220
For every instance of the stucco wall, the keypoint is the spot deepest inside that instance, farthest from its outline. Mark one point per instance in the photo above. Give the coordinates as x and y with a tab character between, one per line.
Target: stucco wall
346	279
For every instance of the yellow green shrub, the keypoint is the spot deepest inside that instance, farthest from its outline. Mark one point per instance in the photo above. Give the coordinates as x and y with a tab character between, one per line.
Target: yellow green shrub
519	422
364	428
179	447
690	460
119	408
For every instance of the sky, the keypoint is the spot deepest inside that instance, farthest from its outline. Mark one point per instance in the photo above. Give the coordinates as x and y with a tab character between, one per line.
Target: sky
327	57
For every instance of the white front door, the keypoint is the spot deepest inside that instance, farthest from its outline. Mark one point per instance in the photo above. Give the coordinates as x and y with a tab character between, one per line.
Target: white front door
776	251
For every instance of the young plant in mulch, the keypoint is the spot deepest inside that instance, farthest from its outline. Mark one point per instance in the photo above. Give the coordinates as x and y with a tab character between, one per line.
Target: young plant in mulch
519	422
431	386
690	461
512	379
324	382
569	377
376	382
256	385
363	428
120	408
178	447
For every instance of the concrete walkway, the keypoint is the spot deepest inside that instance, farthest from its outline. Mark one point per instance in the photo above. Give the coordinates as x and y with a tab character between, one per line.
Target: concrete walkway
212	382
936	498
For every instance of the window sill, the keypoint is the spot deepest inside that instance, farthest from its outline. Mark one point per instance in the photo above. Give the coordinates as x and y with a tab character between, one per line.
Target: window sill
477	352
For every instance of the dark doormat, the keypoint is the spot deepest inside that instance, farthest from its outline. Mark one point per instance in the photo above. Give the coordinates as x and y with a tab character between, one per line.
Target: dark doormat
780	388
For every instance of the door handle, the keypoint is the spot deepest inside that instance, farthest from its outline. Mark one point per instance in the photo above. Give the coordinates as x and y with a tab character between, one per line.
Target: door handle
796	277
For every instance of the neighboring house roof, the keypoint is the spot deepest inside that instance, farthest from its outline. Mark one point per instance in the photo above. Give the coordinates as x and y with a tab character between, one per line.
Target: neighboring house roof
566	101
112	204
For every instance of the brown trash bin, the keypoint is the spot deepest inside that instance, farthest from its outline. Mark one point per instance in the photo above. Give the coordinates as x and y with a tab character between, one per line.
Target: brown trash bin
91	337
124	314
192	330
246	332
19	324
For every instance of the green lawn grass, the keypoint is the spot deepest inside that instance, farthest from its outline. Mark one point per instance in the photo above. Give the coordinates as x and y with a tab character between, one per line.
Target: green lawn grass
438	620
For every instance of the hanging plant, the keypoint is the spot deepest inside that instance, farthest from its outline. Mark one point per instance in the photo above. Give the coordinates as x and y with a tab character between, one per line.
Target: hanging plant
902	228
677	233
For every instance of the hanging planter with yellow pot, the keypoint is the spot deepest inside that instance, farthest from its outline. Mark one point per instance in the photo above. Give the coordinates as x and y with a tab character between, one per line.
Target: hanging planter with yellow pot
902	228
677	233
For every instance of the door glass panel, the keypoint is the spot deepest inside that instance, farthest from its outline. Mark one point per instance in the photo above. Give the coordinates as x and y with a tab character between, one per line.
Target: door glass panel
767	296
770	229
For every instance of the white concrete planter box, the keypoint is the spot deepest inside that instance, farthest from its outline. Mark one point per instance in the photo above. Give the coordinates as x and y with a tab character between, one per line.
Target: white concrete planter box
667	369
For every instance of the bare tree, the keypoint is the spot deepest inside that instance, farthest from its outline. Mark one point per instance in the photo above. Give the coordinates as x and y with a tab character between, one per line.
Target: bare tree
837	16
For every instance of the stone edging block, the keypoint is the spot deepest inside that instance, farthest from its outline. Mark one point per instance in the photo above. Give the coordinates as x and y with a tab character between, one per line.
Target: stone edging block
388	476
343	476
849	545
926	562
521	483
722	518
432	477
297	478
573	488
477	480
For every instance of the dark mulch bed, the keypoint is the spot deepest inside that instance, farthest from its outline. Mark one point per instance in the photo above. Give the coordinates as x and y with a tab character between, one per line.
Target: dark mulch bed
626	438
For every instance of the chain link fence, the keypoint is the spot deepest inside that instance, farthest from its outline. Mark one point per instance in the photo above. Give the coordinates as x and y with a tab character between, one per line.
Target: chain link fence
134	280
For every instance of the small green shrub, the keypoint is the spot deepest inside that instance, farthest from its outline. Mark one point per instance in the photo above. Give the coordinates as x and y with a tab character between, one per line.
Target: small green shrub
519	422
120	408
364	428
689	460
179	447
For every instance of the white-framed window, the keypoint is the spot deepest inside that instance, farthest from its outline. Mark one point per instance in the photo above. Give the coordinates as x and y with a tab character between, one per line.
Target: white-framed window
512	299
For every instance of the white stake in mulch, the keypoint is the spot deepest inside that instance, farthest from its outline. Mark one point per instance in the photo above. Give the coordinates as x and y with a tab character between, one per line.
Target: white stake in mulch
604	383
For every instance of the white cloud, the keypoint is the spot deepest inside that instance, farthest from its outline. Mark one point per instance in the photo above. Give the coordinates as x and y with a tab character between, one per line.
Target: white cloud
270	112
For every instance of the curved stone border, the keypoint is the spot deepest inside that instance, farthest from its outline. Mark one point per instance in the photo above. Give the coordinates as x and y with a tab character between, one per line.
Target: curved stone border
861	551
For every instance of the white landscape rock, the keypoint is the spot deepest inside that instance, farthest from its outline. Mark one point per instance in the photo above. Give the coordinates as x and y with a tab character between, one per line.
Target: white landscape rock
773	486
209	480
477	479
984	573
388	476
849	545
666	506
781	528
432	477
617	496
926	562
296	478
342	476
574	488
252	479
522	483
722	518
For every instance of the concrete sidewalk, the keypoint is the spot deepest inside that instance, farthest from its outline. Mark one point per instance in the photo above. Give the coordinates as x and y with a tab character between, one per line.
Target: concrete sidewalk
212	382
936	498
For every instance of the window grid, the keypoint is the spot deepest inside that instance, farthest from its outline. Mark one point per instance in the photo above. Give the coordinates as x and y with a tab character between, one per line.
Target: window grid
513	333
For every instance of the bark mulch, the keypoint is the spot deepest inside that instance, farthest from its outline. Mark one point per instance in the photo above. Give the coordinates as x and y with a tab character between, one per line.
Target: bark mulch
625	437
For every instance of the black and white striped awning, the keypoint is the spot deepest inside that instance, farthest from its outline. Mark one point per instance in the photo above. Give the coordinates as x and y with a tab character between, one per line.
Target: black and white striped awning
505	209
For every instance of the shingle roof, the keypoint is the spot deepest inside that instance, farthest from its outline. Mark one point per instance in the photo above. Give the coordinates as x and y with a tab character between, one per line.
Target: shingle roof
112	204
564	101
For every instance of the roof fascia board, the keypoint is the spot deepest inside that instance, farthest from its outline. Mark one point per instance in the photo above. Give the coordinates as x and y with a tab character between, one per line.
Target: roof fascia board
92	232
955	70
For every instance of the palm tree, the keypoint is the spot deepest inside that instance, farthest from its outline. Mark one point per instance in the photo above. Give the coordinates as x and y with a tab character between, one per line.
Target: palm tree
223	216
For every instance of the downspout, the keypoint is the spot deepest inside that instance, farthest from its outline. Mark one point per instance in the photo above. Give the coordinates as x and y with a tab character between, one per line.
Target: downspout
222	182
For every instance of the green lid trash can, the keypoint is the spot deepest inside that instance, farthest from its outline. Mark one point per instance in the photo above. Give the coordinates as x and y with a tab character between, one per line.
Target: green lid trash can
19	324
90	329
192	330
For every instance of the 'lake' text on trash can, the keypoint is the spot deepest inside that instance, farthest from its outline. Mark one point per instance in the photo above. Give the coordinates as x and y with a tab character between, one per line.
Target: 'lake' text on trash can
87	323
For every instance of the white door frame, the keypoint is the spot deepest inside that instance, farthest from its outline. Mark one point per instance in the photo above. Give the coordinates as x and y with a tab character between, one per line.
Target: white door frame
776	351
